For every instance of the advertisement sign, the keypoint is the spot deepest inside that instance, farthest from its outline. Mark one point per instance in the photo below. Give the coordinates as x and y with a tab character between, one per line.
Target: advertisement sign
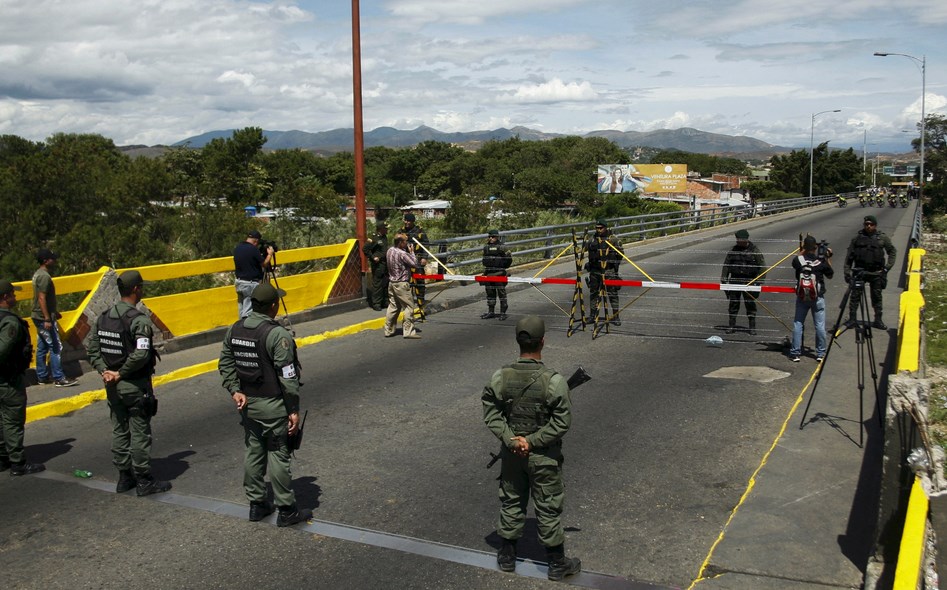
645	178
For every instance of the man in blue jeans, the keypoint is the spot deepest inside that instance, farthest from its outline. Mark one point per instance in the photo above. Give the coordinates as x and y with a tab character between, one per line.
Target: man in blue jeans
811	272
44	316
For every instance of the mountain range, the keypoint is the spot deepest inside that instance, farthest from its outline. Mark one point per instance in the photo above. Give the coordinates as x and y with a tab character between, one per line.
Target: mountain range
337	140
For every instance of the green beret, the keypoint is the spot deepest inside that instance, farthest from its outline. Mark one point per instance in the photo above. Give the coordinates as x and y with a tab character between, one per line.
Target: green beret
266	293
601	222
742	234
493	232
871	219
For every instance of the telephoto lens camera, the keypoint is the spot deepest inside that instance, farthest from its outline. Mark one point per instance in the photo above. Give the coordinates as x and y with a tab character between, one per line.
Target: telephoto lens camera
823	250
264	244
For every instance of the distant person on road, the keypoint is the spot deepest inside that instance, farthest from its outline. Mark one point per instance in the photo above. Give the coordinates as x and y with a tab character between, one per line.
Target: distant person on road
605	255
260	369
400	260
374	249
811	272
16	354
744	262
416	239
496	259
122	351
45	316
866	261
528	408
249	267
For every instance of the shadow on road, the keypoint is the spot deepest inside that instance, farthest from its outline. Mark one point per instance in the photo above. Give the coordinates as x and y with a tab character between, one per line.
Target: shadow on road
172	466
43	453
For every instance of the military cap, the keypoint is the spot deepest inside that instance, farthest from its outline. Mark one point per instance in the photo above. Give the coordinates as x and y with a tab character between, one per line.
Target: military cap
409	217
871	219
493	232
533	326
6	287
129	280
255	234
44	254
601	222
742	234
267	294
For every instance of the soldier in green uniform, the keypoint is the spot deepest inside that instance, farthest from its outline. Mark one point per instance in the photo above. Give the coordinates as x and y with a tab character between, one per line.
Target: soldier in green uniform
259	368
414	232
604	257
16	353
867	257
122	351
374	250
496	259
744	262
527	407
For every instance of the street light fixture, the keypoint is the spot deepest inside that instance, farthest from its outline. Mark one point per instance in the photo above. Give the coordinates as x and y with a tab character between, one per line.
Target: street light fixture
811	138
922	62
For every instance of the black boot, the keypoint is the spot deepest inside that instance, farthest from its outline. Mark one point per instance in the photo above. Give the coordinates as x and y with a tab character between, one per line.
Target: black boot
26	468
488	315
126	481
752	326
561	566
290	515
732	326
616	321
878	323
502	315
260	510
147	484
506	556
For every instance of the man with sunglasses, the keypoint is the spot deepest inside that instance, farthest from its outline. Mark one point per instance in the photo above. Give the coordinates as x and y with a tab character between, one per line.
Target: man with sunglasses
870	256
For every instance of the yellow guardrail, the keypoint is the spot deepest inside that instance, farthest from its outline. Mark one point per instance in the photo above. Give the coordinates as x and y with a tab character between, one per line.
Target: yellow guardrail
196	311
909	317
910	555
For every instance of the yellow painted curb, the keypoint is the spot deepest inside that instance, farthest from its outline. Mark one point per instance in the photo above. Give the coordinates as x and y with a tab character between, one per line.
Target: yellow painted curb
66	405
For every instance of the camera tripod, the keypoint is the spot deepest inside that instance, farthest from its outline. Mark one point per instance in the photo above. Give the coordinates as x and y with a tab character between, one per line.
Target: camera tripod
864	351
269	275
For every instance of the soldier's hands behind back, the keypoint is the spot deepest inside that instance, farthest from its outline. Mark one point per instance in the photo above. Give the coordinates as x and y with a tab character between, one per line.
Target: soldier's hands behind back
293	423
520	446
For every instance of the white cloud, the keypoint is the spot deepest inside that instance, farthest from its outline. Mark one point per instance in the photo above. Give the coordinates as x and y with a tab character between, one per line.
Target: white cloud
471	13
554	90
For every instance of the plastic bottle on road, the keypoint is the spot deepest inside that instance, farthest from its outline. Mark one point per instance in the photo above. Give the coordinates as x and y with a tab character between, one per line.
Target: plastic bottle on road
82	473
714	341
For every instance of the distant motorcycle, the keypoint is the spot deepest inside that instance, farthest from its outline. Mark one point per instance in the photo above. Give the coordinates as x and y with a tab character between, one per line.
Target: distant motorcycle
893	201
841	201
904	200
862	200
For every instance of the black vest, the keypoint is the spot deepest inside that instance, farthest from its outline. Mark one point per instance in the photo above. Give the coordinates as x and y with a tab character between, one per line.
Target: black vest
116	343
495	258
867	252
20	355
255	370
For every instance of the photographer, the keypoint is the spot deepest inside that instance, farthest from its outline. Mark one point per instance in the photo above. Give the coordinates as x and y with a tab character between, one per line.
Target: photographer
249	264
812	267
866	253
400	259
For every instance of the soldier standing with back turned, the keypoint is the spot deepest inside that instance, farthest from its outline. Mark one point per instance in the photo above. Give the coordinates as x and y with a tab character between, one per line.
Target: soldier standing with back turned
260	369
122	351
16	353
604	251
528	408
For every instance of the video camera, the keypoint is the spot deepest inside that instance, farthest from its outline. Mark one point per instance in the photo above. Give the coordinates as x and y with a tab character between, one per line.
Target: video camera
822	252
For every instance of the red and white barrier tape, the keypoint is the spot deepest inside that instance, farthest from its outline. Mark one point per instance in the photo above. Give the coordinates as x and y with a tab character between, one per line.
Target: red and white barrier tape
610	283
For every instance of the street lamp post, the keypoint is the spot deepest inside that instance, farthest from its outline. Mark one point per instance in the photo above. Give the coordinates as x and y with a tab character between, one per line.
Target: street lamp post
923	63
811	138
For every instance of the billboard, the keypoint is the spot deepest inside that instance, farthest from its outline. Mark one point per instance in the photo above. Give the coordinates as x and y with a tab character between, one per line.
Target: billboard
646	178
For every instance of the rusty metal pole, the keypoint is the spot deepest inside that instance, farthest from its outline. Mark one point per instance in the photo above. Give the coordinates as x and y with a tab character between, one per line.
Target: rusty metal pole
359	139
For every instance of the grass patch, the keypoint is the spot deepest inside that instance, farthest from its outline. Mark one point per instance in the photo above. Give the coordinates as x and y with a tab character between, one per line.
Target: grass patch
935	324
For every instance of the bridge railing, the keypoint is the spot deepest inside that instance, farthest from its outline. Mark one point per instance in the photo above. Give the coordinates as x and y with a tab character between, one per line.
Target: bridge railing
538	243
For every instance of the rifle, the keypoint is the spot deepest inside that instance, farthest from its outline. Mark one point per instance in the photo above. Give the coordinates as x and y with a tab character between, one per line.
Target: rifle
577	379
294	441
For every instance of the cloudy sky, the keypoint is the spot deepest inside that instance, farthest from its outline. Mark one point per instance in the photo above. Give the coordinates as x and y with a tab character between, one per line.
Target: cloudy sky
158	71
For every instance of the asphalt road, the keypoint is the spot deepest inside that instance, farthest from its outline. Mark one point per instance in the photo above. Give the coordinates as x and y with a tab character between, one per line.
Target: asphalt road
658	457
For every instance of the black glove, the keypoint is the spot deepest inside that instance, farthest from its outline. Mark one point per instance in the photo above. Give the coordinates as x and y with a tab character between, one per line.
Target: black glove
848	276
